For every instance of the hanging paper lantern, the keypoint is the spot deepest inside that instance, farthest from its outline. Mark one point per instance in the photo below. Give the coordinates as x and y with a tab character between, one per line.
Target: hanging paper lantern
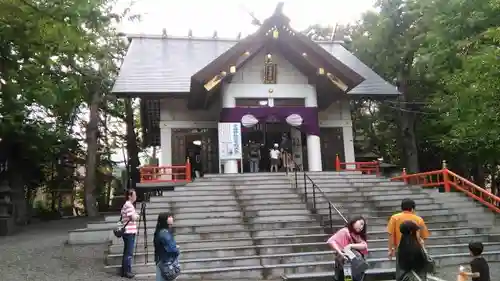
248	120
294	120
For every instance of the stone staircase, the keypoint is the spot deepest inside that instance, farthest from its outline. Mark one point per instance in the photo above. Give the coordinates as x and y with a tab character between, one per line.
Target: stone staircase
453	219
259	226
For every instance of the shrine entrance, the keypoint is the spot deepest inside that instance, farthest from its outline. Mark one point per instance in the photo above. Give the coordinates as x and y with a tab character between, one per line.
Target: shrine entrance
267	134
200	145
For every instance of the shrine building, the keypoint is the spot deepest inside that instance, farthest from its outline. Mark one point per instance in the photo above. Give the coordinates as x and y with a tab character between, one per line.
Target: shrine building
275	81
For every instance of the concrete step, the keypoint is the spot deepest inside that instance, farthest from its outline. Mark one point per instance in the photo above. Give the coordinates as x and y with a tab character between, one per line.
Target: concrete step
221	230
115	251
254	206
372	192
271	239
261	200
240	181
277	270
220	198
278	218
288	255
260	175
384	220
370	275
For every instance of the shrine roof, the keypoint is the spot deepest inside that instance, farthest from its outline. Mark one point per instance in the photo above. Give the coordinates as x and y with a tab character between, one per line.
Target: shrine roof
158	64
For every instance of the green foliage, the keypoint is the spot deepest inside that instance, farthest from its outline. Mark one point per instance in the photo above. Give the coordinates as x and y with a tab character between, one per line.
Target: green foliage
54	57
443	54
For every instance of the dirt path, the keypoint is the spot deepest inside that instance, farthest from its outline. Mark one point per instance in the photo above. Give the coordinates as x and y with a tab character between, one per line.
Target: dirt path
39	253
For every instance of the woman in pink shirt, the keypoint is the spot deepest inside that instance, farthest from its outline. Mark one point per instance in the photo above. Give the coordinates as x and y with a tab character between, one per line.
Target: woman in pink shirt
351	237
129	216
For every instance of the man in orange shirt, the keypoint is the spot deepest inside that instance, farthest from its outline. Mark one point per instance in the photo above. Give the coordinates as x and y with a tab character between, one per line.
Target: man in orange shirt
407	214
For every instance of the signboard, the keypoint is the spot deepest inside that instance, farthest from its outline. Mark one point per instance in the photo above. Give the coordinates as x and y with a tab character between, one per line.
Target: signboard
230	147
296	136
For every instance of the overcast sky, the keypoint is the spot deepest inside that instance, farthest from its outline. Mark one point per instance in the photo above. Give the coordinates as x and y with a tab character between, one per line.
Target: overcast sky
229	17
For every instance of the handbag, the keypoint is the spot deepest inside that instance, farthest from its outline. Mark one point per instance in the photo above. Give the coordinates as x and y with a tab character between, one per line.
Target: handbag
119	231
358	264
170	270
410	276
430	265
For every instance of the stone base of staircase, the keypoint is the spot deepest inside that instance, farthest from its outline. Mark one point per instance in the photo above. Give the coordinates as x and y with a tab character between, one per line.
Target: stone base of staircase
261	227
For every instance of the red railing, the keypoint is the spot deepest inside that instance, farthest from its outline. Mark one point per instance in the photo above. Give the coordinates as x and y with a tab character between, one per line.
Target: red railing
449	180
179	173
372	167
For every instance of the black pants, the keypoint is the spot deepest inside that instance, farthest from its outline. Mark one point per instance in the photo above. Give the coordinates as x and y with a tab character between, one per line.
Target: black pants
338	268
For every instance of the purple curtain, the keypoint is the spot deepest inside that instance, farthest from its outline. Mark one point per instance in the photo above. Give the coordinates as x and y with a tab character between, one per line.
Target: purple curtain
310	124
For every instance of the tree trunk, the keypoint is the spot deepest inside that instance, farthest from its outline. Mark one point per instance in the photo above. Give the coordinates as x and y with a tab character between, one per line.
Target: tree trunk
408	118
91	159
132	148
19	199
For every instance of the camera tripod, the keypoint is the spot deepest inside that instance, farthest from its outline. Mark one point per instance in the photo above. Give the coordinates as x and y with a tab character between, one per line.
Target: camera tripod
142	221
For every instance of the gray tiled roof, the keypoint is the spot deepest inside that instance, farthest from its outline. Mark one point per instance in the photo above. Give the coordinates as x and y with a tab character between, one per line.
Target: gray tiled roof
373	84
161	65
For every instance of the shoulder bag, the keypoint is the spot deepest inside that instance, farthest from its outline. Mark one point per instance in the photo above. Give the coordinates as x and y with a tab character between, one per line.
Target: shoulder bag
430	265
410	276
119	230
358	263
170	270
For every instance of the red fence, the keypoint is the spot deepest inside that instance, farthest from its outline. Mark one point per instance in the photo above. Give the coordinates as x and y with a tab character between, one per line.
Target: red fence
451	181
372	167
153	174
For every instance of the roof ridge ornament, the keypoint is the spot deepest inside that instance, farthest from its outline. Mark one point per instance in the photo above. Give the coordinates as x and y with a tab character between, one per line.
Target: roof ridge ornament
279	9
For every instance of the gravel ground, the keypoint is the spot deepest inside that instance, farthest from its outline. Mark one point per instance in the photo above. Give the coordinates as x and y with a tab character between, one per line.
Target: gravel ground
39	253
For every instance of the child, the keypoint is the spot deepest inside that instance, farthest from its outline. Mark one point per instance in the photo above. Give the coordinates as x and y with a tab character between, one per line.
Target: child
480	271
274	154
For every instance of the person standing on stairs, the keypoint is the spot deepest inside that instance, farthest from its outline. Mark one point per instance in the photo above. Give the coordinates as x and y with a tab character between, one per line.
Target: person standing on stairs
412	262
166	250
349	238
407	214
129	217
254	156
274	155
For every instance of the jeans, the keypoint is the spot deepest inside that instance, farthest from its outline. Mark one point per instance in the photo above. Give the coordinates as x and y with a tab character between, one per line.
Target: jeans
158	274
128	252
254	165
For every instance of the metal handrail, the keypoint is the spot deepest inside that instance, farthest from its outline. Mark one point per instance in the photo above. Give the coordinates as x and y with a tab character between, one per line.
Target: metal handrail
314	188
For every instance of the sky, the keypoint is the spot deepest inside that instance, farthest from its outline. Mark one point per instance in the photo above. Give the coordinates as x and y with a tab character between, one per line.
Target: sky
229	17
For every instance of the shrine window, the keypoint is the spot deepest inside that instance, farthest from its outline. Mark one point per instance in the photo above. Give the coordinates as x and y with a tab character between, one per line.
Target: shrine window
251	102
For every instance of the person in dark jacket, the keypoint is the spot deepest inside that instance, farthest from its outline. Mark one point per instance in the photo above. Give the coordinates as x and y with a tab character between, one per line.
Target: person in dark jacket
166	250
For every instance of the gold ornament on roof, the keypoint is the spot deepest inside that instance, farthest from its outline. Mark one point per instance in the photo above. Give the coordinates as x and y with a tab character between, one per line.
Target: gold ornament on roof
276	34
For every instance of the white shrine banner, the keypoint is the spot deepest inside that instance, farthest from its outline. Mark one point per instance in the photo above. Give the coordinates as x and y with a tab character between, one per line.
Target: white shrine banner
230	147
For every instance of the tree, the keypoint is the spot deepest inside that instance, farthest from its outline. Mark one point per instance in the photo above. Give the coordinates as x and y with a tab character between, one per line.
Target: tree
56	60
443	57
